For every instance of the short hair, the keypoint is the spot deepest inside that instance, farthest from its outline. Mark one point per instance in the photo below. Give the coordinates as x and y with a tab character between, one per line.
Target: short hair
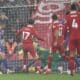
67	12
31	21
54	17
73	6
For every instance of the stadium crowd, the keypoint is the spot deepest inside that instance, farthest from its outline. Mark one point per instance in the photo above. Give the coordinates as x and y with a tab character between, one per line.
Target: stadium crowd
16	2
11	20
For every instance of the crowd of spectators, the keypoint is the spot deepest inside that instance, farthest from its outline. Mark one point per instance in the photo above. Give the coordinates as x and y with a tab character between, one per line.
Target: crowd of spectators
13	15
13	18
17	2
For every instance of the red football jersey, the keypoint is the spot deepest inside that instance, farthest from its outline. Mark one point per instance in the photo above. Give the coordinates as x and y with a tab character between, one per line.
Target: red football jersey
57	32
28	33
73	24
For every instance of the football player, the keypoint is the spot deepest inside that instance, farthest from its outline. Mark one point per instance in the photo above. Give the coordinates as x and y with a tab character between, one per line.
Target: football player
28	32
73	26
57	39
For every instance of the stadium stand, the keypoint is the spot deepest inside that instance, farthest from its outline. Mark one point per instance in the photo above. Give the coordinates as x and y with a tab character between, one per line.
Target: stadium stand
13	15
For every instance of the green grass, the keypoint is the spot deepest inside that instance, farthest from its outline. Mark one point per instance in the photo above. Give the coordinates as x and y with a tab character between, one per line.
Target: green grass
24	76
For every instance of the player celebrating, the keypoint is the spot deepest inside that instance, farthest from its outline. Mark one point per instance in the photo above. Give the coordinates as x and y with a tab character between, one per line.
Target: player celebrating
73	26
28	32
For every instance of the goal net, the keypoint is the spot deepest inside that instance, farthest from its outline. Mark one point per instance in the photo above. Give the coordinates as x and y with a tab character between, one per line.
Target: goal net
15	13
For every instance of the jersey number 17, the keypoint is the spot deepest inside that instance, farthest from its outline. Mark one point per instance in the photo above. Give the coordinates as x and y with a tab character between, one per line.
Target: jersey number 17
25	35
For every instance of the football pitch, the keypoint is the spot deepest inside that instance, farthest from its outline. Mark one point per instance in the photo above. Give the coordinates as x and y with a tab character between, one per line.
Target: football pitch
28	76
